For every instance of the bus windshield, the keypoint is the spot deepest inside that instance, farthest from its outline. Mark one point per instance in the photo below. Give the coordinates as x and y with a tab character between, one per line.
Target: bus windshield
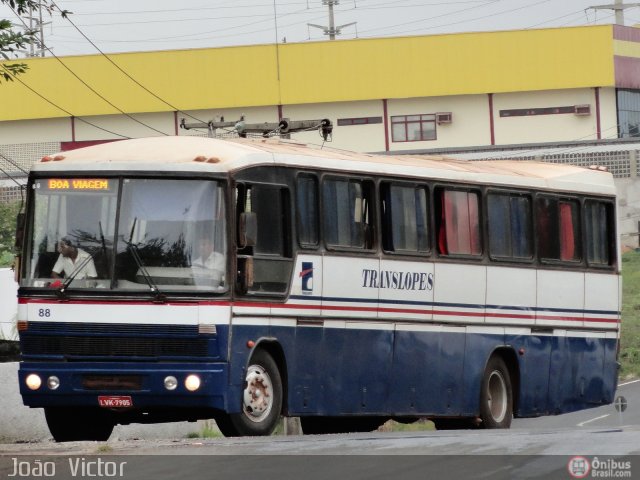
127	234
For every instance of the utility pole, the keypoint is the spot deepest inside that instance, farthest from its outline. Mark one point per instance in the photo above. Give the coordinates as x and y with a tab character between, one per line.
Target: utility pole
331	30
618	7
37	25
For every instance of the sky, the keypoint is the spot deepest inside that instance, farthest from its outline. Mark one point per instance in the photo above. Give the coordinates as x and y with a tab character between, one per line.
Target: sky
144	25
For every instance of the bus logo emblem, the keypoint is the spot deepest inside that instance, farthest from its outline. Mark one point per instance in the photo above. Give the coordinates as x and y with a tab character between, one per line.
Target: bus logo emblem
307	278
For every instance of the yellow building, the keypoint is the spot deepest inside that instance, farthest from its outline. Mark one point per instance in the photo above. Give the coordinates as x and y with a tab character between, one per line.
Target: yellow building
394	94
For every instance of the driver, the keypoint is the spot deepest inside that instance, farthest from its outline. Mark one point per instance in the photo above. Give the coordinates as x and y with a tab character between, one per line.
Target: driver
72	258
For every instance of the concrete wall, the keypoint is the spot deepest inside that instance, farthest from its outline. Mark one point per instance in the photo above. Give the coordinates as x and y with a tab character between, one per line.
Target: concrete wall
8	305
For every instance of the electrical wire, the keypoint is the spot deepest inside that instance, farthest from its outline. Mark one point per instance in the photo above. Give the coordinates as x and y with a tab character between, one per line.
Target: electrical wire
14	164
58	106
90	87
110	60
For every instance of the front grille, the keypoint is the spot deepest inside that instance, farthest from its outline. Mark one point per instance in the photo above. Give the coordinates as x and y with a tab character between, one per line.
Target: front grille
112	346
112	382
75	328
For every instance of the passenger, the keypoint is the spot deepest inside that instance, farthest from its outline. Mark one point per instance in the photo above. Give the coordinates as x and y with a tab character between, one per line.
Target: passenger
72	258
209	259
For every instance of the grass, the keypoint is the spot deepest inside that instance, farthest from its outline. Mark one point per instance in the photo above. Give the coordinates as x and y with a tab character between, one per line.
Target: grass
630	334
208	430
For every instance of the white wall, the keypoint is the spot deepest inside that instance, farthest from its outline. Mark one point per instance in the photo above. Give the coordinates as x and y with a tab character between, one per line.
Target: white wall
470	125
363	138
8	305
544	128
33	131
608	113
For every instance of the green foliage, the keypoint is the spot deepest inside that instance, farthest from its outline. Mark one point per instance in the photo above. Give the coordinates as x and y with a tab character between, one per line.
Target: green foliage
14	38
8	213
208	430
630	335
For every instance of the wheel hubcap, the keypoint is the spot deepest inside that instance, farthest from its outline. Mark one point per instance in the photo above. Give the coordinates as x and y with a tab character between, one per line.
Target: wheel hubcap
497	393
258	394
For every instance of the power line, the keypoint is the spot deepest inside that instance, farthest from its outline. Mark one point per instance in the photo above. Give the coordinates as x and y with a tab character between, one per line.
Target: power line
123	71
58	106
14	164
91	88
467	20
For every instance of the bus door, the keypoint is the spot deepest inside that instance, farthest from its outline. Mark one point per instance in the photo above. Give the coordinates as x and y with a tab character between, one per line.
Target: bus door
264	268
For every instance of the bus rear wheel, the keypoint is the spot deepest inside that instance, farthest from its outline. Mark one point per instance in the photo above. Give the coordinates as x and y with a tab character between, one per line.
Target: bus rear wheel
77	424
496	396
261	401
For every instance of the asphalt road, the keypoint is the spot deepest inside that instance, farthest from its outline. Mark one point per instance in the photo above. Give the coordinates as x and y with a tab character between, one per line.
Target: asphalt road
601	417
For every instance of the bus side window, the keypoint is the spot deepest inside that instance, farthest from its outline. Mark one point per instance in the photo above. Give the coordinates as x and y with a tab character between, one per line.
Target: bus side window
510	229
599	227
307	210
347	213
458	226
559	229
272	252
405	227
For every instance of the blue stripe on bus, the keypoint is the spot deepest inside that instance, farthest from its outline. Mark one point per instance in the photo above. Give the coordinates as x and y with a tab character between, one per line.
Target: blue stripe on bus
453	305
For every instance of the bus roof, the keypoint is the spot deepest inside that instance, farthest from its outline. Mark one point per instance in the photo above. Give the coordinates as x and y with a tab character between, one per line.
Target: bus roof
202	154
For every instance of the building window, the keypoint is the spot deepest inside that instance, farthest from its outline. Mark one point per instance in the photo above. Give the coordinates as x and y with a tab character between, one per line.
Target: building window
405	228
628	113
413	128
510	226
558	224
458	215
526	112
347	213
345	122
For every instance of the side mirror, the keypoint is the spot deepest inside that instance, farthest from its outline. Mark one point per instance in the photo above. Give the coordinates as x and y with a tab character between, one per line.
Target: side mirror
247	230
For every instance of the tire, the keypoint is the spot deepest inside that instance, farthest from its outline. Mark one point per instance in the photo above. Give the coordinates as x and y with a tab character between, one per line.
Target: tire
325	425
496	396
261	401
73	424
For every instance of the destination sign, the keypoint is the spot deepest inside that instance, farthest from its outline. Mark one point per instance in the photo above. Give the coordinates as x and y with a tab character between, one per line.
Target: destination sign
76	184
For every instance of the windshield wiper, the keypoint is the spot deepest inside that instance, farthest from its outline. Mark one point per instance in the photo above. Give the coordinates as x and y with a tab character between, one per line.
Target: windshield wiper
135	253
67	281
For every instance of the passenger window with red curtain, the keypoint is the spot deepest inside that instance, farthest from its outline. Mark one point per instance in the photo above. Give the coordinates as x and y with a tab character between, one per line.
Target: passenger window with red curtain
459	222
558	229
569	231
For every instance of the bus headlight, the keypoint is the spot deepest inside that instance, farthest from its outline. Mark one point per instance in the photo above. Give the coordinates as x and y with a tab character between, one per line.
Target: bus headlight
33	381
170	382
192	383
53	382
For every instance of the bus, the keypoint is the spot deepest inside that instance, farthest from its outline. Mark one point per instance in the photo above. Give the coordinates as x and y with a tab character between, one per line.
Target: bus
185	278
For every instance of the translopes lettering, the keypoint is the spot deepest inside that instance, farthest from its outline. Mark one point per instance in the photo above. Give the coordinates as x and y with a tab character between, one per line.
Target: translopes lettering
397	280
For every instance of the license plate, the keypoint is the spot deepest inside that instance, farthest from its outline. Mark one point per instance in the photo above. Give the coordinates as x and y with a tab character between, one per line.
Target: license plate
113	401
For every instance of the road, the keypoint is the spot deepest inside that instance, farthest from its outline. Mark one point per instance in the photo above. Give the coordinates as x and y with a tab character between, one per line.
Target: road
601	417
533	448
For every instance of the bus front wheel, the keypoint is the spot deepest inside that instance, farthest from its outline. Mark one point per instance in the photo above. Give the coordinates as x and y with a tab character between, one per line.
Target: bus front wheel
261	401
496	396
76	424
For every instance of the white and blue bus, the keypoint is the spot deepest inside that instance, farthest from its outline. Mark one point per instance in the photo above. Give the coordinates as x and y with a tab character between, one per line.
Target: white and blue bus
184	278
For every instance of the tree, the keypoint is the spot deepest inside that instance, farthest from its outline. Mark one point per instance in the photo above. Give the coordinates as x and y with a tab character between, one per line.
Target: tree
14	38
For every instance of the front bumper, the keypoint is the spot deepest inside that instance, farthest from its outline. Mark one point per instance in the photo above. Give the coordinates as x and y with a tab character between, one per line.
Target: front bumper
149	393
